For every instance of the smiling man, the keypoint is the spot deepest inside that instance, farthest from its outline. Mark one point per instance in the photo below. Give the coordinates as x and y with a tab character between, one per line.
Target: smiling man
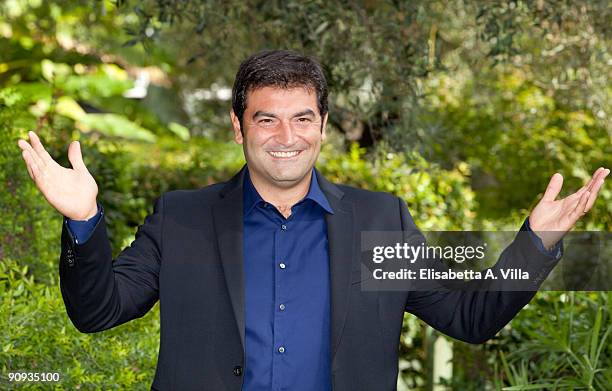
259	278
286	127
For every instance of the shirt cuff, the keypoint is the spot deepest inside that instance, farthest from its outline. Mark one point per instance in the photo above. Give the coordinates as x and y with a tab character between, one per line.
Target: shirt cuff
82	230
555	252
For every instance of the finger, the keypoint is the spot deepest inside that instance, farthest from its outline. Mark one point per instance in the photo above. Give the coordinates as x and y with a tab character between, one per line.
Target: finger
605	173
596	176
27	147
576	196
33	167
593	196
42	153
25	159
600	173
24	145
596	188
579	210
75	156
554	187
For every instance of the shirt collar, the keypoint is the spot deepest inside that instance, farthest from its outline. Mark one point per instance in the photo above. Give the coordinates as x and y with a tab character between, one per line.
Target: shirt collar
251	197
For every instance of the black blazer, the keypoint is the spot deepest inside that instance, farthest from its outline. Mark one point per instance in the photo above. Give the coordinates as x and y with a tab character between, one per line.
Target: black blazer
188	254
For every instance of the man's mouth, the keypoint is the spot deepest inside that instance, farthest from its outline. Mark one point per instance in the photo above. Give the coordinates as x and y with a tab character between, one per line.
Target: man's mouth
284	154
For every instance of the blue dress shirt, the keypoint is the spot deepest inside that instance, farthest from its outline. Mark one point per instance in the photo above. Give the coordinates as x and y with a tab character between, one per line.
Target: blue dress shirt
82	229
287	293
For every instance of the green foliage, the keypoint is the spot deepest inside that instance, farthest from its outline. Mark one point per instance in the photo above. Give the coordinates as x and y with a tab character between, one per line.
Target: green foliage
438	199
571	349
377	53
514	137
27	226
558	341
38	337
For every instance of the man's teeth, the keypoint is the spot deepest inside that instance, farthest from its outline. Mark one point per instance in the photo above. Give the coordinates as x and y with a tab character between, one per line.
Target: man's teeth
284	154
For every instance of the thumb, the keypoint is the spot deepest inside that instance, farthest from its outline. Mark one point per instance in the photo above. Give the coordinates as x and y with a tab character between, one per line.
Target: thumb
554	187
75	157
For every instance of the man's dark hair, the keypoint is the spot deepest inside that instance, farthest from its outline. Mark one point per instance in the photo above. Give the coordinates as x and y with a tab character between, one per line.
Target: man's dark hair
278	68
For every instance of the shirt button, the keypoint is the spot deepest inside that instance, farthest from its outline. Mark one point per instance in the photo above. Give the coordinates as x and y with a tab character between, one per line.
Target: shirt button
282	307
237	370
281	349
284	227
282	265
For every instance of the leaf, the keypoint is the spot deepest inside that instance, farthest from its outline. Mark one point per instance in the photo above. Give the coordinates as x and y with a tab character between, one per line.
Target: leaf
33	92
52	71
595	336
68	107
601	345
96	85
529	387
179	130
117	126
506	368
321	28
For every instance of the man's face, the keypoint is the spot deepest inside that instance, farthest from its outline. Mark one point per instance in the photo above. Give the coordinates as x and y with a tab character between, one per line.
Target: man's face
282	134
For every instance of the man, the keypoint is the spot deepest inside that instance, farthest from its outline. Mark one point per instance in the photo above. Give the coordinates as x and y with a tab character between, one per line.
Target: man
258	278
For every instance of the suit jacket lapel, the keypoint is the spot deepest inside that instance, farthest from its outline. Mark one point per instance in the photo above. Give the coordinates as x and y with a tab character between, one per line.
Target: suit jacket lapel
228	222
341	241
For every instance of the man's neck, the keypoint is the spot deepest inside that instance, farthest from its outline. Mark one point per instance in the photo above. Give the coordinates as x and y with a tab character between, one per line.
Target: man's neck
283	198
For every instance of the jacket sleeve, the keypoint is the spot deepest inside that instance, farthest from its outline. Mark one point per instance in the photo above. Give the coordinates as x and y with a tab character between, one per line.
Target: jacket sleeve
475	316
101	293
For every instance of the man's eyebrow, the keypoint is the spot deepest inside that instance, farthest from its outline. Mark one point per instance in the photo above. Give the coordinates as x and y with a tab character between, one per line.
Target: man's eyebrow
260	113
304	112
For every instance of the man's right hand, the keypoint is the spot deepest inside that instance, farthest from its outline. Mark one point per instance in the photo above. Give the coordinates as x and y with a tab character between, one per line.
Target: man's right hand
73	191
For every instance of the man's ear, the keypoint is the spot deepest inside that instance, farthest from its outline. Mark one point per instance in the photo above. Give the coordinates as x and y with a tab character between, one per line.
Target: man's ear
238	137
323	127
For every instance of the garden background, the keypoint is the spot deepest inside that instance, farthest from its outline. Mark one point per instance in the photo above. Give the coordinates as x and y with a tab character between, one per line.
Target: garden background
463	108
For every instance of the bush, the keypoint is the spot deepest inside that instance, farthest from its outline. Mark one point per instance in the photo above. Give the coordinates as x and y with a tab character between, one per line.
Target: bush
28	225
38	337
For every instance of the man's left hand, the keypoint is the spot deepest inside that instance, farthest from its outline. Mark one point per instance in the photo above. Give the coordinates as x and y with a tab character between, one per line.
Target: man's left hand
551	219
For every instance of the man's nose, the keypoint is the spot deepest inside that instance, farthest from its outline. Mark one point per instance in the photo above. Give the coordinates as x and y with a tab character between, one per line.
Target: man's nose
285	134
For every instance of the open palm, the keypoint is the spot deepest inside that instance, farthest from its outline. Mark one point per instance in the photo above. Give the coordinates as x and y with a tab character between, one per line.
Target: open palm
552	218
71	191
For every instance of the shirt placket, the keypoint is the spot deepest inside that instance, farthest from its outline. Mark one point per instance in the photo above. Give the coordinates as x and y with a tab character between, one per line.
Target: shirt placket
281	283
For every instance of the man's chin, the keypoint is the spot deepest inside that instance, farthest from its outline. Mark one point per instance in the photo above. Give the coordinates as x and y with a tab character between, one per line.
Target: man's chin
287	180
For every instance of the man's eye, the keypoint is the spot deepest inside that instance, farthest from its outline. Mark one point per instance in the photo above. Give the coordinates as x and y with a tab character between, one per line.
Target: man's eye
304	120
265	121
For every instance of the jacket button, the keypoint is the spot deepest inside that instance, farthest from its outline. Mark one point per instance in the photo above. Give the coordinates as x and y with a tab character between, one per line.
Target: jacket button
237	370
70	258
